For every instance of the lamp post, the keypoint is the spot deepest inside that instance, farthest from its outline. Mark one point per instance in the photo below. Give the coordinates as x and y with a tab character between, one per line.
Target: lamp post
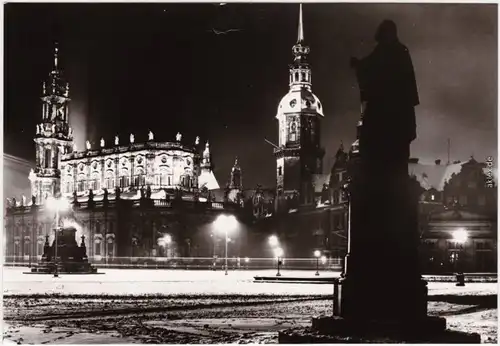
214	257
278	252
460	237
225	223
274	243
164	242
57	205
317	254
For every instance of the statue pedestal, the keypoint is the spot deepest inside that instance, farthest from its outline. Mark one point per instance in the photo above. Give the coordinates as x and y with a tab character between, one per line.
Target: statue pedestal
71	258
332	329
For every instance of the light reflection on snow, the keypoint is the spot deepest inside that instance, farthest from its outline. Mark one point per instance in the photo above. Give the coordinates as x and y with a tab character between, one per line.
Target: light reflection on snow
168	282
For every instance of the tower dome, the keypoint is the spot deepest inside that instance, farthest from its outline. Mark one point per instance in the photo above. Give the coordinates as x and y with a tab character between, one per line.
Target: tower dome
300	100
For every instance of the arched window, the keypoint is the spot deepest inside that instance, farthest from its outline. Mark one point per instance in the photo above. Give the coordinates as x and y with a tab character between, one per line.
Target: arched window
303	77
109	182
292	136
124	178
140	178
47	158
296	76
95	183
110	246
81	183
27	250
39	247
97	247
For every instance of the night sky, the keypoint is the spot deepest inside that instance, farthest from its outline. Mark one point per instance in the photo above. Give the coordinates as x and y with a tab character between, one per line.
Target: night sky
135	67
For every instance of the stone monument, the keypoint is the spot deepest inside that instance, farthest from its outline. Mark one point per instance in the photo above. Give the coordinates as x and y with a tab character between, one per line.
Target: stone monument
71	258
387	303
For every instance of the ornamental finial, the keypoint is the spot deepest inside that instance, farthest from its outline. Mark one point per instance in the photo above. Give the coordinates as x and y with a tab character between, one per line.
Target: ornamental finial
56	50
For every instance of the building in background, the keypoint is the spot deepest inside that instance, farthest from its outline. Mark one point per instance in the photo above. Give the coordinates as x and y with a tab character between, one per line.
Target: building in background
458	197
15	177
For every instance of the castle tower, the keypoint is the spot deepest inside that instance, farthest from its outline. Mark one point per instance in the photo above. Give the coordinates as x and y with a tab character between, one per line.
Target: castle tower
299	155
53	136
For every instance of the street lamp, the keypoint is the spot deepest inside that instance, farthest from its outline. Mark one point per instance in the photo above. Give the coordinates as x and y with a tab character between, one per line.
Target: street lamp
317	254
460	237
278	252
225	223
164	242
57	205
273	241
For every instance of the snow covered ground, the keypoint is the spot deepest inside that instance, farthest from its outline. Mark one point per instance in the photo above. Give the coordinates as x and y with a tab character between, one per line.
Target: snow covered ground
175	306
148	281
184	282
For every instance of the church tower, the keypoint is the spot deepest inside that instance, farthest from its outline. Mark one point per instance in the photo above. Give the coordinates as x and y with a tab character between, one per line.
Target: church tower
299	155
53	136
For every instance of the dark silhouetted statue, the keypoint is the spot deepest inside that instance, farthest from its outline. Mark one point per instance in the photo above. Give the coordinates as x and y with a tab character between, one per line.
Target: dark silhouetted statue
383	206
389	94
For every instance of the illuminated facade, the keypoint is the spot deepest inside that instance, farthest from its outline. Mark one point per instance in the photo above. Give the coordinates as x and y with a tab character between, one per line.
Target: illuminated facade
129	195
61	169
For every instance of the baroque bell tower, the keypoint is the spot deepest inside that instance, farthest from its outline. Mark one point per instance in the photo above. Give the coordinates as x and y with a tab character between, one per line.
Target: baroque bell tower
53	136
299	155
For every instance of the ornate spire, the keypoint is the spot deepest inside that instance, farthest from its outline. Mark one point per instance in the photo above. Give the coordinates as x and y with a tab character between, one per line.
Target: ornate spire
300	33
300	71
300	49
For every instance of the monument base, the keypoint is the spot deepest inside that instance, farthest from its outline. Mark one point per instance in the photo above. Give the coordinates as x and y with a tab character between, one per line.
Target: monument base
333	329
64	268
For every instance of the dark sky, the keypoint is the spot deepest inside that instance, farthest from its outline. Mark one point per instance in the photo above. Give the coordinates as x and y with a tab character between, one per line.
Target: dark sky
135	67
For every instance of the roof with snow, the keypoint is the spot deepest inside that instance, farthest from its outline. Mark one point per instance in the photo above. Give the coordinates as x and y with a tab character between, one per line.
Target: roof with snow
435	175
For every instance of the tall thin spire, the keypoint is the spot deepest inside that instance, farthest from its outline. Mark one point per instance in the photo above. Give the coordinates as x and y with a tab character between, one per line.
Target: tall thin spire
56	50
300	33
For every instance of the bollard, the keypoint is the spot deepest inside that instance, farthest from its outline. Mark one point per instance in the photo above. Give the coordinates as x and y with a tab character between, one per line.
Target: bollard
336	297
460	279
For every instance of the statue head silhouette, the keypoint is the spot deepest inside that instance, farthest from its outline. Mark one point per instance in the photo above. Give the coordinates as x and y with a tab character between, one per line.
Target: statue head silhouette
387	32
